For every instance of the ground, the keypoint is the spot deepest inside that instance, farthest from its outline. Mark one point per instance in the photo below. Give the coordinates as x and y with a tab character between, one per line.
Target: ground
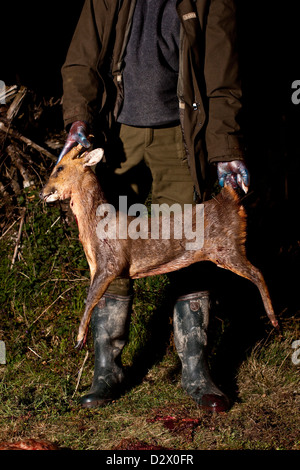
44	280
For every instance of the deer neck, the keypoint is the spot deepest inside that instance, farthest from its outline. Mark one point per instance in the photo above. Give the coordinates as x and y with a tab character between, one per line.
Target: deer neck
86	196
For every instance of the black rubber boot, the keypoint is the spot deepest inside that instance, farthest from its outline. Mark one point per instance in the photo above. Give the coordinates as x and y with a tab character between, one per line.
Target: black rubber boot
109	328
191	315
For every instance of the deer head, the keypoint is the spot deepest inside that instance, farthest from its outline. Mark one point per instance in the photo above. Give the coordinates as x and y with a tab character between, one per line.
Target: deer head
68	172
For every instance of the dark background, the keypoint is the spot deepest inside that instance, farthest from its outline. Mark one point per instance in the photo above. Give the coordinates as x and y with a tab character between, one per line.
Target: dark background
34	41
35	38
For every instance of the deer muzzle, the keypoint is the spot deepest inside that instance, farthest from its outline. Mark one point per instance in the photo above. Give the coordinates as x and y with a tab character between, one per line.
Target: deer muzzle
49	194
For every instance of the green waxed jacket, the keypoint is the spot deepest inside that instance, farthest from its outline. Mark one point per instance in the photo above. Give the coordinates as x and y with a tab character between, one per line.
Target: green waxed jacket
209	90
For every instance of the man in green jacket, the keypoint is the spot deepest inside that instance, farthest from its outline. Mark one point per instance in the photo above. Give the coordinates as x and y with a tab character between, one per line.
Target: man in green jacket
158	81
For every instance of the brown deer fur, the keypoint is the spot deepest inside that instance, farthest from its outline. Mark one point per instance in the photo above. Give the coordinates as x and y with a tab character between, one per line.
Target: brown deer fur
224	236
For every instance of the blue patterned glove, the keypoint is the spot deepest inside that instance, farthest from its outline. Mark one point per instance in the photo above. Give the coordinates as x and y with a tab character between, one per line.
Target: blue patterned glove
77	135
234	173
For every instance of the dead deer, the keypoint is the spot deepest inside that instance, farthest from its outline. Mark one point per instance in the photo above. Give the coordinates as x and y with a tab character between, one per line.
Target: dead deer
224	236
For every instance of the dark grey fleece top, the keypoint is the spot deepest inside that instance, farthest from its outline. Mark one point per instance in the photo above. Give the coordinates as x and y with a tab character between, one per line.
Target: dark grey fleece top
151	65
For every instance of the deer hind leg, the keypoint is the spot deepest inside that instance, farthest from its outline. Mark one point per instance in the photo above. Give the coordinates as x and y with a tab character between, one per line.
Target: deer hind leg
240	265
98	287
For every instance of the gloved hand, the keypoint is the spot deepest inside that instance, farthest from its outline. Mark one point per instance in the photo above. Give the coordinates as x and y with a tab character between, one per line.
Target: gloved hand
234	173
77	135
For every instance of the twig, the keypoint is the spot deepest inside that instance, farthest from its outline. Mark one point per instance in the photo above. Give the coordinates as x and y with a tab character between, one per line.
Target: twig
16	104
288	354
25	275
66	280
18	239
2	188
34	352
17	161
53	224
46	309
8	91
80	373
18	136
10	227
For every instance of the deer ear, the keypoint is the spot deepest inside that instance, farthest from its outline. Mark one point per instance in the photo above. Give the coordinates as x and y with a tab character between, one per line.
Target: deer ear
93	157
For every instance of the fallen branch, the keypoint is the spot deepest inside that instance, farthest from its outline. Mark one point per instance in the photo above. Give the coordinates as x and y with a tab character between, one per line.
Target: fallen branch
7	93
16	135
11	174
28	179
16	104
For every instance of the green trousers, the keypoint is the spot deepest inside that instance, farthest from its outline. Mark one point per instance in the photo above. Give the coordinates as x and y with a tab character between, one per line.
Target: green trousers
151	160
160	151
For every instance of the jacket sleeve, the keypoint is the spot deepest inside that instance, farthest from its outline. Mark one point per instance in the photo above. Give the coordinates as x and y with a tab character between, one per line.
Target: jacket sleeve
81	82
223	134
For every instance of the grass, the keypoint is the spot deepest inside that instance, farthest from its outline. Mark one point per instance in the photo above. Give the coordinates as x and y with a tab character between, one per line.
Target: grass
42	298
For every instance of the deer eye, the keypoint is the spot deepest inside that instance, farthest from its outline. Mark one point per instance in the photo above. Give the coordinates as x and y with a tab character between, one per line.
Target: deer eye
60	168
